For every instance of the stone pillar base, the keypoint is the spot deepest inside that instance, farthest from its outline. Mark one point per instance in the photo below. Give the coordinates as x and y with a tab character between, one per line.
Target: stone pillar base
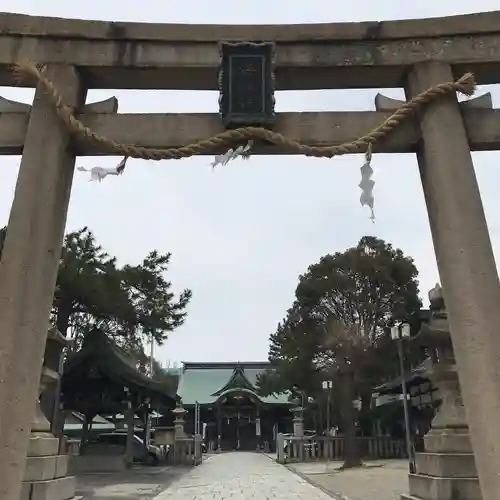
45	473
446	470
298	421
298	427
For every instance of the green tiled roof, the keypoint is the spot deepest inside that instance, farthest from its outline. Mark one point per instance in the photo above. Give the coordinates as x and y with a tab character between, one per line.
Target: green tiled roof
203	382
102	354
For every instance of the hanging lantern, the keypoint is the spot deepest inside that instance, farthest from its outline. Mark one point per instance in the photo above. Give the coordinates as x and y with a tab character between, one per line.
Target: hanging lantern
246	84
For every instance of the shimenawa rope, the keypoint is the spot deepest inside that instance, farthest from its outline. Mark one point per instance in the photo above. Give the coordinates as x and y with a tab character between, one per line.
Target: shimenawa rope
30	73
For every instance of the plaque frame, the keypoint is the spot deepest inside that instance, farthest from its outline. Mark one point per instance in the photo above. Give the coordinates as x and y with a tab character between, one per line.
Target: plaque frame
267	115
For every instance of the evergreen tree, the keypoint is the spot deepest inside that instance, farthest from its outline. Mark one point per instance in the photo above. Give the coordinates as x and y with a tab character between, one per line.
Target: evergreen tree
338	328
130	303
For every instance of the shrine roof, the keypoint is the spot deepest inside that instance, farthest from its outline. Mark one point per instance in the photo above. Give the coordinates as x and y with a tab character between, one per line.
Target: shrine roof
100	353
205	382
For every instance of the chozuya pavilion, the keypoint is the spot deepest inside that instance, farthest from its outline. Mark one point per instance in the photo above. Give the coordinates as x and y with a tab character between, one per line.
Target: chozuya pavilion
232	414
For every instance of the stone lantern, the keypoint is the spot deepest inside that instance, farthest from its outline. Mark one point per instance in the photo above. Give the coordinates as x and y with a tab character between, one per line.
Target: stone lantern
54	345
446	469
179	413
45	474
444	374
298	418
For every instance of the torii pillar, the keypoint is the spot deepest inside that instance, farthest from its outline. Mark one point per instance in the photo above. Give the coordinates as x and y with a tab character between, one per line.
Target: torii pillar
466	266
28	269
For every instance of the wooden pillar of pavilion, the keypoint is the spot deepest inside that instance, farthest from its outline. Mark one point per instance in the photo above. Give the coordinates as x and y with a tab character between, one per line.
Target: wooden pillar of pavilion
219	427
129	447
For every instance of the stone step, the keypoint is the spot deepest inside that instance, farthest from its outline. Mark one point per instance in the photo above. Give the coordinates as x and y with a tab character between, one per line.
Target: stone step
43	445
55	489
448	441
446	464
444	488
45	468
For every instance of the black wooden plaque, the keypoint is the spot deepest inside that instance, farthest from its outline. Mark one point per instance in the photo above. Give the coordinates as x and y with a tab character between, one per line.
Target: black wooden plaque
246	82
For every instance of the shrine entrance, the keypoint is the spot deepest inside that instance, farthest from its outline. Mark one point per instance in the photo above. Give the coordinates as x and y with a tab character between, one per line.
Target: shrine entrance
235	416
431	58
240	421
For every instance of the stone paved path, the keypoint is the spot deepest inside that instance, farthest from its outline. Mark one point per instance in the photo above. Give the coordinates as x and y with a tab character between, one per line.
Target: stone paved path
241	476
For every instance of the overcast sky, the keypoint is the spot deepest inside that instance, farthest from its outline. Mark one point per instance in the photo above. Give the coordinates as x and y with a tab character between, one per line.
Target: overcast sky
241	235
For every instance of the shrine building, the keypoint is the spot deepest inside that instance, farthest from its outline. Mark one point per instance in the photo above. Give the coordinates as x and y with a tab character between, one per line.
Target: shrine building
225	400
100	379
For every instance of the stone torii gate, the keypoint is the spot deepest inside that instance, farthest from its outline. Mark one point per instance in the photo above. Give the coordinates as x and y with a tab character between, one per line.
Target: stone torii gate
414	54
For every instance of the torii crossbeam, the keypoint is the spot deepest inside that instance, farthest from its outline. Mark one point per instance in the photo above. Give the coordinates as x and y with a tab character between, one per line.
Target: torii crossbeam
414	54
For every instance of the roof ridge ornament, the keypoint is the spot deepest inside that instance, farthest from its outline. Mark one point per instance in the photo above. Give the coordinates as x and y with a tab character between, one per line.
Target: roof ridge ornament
237	371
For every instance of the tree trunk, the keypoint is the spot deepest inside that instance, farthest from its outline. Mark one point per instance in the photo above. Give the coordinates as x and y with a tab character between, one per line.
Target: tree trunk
129	449
365	421
348	417
63	316
87	428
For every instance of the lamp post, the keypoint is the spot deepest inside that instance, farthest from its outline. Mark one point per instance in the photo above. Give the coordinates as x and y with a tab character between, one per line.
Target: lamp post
398	334
327	385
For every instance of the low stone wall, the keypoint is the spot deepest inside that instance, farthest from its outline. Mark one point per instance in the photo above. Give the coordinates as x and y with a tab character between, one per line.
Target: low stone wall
164	436
96	457
186	451
97	463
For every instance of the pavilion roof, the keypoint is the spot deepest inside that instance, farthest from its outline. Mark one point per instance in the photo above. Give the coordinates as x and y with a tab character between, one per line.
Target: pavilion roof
206	382
417	376
101	355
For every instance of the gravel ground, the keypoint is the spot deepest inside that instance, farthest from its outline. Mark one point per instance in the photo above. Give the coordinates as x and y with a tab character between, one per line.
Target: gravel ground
381	480
138	483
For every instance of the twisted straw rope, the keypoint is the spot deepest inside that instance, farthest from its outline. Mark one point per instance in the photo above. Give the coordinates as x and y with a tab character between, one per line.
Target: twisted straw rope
30	73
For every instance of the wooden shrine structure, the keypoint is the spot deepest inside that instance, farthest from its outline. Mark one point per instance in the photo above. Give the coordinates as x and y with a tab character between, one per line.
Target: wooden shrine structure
236	415
415	54
100	379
